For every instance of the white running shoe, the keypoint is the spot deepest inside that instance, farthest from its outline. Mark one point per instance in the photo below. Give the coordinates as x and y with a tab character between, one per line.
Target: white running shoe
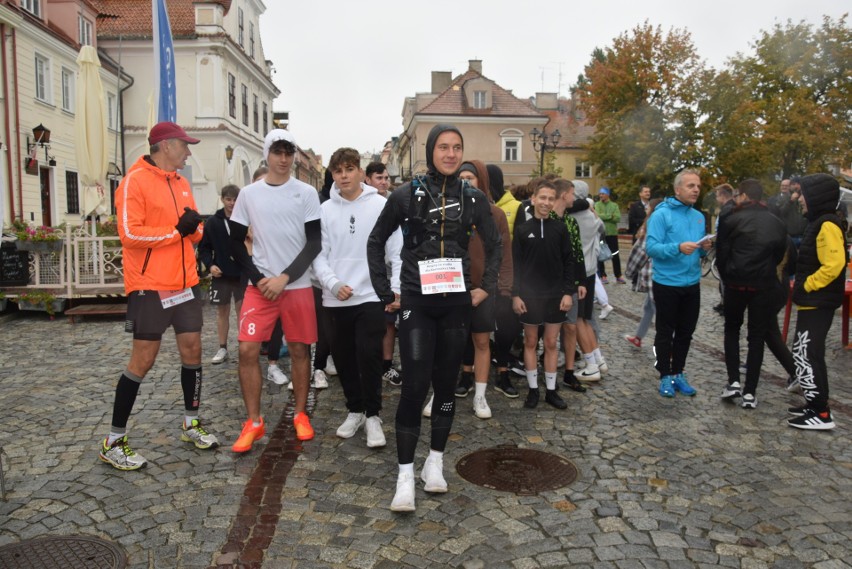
605	311
320	380
221	356
329	367
433	475
602	366
403	500
275	375
350	426
732	390
427	411
481	408
375	435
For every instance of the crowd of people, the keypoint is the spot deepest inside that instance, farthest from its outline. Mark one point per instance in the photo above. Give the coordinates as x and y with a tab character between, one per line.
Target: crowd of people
458	270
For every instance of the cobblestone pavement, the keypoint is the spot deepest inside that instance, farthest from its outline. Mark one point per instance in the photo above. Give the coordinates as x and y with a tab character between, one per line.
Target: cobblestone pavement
684	482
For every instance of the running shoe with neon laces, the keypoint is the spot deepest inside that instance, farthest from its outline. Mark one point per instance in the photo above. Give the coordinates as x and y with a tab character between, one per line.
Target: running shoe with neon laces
121	456
681	384
249	435
199	436
813	421
320	379
221	356
304	430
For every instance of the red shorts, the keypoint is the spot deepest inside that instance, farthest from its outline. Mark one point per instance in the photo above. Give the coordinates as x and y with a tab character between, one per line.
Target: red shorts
295	308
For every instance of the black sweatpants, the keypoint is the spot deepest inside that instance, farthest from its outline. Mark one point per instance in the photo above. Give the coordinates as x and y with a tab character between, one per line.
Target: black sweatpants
677	314
761	311
812	326
431	346
355	334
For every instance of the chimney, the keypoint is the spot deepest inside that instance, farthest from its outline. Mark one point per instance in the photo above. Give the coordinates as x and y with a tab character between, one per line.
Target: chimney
475	65
441	80
546	101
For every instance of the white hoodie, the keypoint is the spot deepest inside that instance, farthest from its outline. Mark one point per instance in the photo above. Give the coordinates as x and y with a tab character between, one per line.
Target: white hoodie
346	225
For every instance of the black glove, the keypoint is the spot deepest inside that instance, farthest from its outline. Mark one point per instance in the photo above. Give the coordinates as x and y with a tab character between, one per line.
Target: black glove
188	222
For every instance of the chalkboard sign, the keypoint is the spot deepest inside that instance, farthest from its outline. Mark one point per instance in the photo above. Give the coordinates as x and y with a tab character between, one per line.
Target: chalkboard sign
14	266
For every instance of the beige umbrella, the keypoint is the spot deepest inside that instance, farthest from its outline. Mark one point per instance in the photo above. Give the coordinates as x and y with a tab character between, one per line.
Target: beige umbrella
91	133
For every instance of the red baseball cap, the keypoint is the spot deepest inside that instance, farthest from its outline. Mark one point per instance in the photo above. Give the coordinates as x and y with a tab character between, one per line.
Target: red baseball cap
167	130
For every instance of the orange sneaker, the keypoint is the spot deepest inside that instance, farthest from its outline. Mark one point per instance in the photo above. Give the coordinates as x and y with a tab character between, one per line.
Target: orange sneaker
304	431
249	434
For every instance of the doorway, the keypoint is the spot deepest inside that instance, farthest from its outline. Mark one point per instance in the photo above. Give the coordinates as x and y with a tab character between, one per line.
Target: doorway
46	205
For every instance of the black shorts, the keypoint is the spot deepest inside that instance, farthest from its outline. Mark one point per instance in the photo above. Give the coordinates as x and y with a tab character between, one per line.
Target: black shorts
586	306
542	311
482	319
222	289
148	320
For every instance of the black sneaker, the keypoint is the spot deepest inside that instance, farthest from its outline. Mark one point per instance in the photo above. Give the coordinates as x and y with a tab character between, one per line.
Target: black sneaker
504	385
551	397
813	421
517	367
572	383
531	402
720	309
797	411
749	401
465	384
392	376
792	384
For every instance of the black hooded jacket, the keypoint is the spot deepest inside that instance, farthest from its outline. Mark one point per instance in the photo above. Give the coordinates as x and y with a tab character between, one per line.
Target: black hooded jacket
821	193
215	246
750	245
430	233
495	182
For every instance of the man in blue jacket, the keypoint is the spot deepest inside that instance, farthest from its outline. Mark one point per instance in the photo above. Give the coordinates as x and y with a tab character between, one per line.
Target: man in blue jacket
676	243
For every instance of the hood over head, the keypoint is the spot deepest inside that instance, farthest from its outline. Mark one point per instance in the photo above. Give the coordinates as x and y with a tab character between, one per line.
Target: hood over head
495	182
430	145
822	192
581	189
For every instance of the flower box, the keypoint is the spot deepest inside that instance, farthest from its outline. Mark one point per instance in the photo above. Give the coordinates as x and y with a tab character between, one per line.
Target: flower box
39	246
57	305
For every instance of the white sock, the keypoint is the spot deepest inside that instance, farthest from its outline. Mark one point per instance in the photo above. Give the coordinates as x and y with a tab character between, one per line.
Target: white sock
188	419
550	380
590	360
407	468
480	389
532	378
436	455
114	437
273	365
598	355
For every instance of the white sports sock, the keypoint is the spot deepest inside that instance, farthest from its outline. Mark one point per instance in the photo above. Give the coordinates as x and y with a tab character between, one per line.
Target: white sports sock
480	389
532	378
598	355
550	380
436	455
407	468
114	437
590	359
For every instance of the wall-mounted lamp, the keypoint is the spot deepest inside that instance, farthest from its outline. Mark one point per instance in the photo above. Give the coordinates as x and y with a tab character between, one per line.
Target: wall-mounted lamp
229	153
41	137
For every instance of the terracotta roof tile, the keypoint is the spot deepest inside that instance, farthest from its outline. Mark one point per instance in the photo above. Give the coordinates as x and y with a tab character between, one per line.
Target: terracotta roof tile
570	121
132	18
452	101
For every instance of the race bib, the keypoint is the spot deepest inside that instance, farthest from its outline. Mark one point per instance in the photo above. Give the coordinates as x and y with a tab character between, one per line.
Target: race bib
441	275
169	298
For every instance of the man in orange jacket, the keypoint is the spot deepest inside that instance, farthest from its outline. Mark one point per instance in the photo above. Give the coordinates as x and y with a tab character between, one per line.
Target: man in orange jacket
158	225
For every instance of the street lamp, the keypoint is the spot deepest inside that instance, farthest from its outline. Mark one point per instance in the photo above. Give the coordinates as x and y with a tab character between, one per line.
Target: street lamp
229	153
541	141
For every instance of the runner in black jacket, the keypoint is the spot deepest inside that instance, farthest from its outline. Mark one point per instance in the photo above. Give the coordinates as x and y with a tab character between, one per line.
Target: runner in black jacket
436	212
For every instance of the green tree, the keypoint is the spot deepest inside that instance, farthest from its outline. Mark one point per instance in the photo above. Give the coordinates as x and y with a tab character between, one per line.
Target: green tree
550	166
786	108
641	96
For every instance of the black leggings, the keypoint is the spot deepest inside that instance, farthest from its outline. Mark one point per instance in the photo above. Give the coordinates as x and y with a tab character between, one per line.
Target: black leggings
431	345
507	329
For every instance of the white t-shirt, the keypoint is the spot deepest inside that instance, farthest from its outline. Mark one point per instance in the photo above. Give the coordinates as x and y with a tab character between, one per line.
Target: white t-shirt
277	217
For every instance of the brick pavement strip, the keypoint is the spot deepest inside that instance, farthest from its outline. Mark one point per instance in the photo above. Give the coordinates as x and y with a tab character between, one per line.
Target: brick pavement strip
663	483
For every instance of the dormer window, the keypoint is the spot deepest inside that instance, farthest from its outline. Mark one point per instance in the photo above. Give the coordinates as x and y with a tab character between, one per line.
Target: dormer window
480	100
85	30
32	6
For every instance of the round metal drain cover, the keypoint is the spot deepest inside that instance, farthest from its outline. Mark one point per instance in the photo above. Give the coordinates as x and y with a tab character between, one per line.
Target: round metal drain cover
518	470
62	552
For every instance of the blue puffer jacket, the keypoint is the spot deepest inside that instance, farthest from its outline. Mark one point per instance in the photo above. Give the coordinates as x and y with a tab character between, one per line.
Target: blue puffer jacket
672	223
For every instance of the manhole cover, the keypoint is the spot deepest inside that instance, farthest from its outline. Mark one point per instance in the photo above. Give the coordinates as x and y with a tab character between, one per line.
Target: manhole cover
518	470
62	552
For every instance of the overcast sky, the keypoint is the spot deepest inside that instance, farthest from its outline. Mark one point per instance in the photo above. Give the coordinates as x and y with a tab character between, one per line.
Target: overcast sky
344	68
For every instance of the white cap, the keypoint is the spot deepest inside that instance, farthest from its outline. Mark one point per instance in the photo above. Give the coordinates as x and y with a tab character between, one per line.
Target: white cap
274	136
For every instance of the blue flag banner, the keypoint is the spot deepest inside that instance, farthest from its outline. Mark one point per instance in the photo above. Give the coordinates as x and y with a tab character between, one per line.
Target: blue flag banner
164	63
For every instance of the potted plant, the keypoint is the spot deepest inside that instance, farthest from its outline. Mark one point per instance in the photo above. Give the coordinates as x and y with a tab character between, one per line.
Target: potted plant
38	239
41	300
